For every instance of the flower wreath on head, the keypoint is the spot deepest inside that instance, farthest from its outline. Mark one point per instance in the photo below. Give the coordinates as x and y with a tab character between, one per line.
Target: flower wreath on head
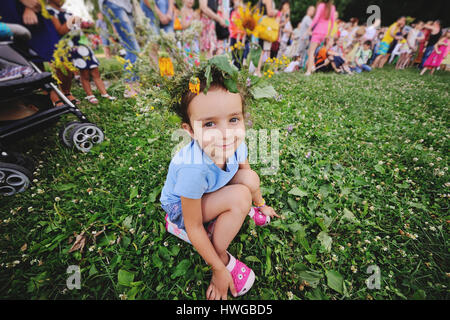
234	80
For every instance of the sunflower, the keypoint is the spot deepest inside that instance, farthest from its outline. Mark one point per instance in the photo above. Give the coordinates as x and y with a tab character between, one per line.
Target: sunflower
248	19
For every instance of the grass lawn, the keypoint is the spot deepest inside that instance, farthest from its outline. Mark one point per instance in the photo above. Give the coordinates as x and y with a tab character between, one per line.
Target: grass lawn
362	181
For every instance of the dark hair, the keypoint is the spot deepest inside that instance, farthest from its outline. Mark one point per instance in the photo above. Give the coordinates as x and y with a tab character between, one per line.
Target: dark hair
217	83
368	43
284	2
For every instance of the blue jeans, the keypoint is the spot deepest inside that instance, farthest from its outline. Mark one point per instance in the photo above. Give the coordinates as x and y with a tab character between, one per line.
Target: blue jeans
364	67
123	23
426	54
162	5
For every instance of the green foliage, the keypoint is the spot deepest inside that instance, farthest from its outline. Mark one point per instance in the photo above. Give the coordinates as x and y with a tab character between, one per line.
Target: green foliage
364	158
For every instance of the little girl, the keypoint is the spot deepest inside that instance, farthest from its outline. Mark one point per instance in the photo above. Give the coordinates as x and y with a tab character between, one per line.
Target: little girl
188	15
81	56
210	186
441	49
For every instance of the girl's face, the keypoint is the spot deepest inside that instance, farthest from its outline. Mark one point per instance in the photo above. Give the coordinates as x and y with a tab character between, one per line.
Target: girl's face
217	123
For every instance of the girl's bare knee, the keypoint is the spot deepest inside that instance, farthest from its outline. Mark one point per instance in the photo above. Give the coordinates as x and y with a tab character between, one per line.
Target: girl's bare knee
253	181
243	199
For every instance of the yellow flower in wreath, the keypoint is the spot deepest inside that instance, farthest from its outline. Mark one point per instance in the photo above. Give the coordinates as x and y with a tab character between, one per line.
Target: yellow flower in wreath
194	85
165	67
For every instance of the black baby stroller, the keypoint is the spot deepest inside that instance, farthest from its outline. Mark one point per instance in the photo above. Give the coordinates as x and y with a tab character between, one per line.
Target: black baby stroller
21	87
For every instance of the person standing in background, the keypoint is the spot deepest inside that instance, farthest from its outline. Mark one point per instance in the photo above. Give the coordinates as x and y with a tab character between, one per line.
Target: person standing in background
164	10
209	18
304	36
319	28
102	29
267	8
285	28
120	15
434	37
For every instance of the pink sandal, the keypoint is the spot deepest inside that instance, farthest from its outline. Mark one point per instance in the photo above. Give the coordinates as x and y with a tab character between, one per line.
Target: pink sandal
243	276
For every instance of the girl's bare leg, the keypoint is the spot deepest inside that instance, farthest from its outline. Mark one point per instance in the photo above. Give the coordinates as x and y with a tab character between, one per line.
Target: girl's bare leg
95	73
229	205
310	63
261	62
250	179
85	81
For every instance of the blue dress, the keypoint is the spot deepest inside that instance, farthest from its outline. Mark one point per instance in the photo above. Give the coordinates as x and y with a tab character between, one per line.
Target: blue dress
44	35
81	56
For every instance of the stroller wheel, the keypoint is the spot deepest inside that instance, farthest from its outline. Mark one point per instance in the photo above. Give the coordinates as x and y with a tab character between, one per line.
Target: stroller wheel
65	133
18	159
13	178
85	136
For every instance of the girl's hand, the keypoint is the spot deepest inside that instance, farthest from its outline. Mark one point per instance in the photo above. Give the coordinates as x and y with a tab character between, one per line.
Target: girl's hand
220	282
268	211
29	17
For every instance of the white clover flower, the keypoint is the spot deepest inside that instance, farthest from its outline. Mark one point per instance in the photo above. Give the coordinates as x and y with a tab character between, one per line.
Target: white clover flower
415	159
57	199
30	209
123	296
166	243
290	295
354	269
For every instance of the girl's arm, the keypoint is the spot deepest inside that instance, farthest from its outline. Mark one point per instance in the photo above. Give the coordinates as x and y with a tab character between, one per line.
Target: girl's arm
62	29
437	45
171	9
271	12
257	196
29	17
211	14
192	214
161	16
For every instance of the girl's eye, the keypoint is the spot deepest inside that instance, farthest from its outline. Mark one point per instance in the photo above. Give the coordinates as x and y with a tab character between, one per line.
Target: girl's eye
234	119
209	124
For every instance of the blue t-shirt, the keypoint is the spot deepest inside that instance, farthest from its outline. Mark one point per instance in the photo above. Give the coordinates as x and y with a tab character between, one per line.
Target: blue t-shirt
192	173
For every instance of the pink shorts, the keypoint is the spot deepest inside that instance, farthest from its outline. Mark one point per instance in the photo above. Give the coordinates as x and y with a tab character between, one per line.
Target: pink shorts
318	37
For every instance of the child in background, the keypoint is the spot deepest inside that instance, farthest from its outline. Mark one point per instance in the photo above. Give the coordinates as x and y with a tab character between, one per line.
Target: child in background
321	61
337	57
81	56
210	181
410	47
440	51
362	57
188	15
286	30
